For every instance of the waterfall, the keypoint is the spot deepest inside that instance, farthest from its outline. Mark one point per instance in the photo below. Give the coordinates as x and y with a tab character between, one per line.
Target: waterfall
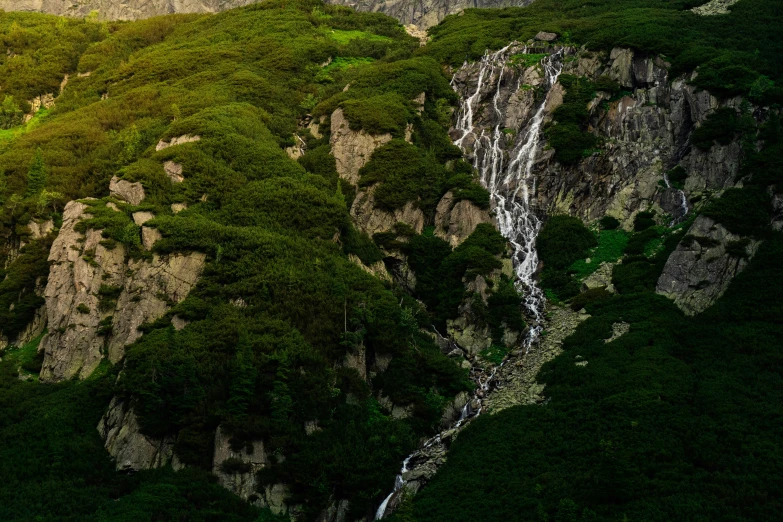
510	182
683	200
512	188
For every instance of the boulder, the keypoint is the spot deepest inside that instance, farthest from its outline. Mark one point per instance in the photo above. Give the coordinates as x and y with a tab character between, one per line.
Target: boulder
133	193
543	36
703	264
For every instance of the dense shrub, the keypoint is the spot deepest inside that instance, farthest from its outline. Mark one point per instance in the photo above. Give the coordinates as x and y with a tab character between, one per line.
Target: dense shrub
742	211
743	60
719	127
563	240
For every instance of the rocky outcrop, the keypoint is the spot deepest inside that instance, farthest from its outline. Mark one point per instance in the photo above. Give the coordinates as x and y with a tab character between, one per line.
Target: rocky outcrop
455	221
126	10
352	149
424	13
704	263
371	219
132	450
96	298
642	134
133	193
150	288
177	140
236	469
714	7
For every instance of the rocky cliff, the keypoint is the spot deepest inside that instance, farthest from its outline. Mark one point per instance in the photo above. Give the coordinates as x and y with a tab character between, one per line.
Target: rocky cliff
422	13
97	297
643	131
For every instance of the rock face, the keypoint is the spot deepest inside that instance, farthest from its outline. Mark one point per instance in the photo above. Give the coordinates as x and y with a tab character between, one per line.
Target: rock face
236	470
96	298
125	10
714	7
352	149
132	450
704	263
133	193
455	221
424	13
372	219
644	134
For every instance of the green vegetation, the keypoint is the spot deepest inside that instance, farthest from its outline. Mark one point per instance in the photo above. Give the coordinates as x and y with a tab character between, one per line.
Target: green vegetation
567	133
276	234
440	270
736	54
563	240
677	419
54	466
667	422
610	248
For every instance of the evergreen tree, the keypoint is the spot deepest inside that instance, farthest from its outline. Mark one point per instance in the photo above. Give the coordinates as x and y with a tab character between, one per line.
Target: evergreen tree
36	175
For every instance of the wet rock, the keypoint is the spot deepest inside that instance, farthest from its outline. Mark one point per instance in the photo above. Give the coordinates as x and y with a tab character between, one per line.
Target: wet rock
469	336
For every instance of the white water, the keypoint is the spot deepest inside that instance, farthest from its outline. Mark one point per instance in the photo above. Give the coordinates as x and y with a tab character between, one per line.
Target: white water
683	201
512	186
511	183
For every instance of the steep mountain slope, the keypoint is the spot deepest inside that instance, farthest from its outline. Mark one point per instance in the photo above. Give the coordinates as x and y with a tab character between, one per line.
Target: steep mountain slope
279	248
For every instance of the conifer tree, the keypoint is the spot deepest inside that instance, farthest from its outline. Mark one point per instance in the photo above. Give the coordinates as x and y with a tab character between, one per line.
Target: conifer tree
36	175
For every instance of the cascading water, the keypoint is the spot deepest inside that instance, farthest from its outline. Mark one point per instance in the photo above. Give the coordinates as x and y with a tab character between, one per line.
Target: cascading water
512	187
511	183
683	200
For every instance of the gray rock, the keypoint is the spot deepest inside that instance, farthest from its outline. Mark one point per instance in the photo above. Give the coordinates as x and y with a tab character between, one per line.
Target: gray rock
424	13
454	222
142	217
236	470
80	265
178	140
700	269
543	36
173	171
371	219
352	149
714	7
133	193
124	441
